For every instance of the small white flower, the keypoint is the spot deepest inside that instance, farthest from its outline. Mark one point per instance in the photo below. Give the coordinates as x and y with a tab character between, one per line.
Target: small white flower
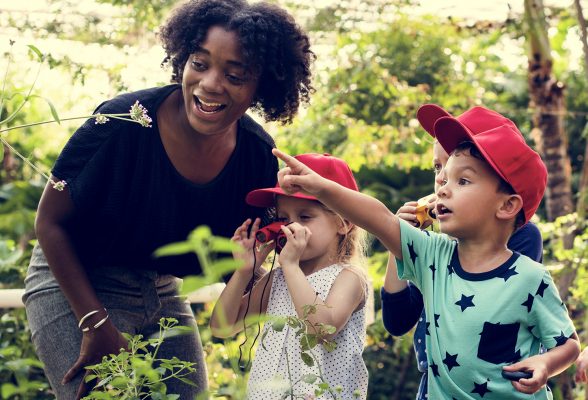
59	186
100	119
139	113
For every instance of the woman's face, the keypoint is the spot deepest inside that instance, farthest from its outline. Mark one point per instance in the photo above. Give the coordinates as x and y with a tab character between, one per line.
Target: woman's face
216	85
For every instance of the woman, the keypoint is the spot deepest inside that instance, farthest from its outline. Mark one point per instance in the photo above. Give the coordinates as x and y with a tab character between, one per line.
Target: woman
130	189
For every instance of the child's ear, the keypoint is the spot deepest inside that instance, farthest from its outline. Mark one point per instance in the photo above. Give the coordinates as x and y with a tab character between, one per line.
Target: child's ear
510	207
344	227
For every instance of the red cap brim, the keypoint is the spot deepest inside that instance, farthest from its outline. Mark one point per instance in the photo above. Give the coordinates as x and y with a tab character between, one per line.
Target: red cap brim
428	114
267	197
450	133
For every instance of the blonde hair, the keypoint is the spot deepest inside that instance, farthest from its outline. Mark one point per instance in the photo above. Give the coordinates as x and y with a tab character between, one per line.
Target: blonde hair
351	251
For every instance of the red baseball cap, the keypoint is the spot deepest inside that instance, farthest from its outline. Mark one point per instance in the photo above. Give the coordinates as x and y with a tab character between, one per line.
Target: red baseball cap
325	165
502	145
428	114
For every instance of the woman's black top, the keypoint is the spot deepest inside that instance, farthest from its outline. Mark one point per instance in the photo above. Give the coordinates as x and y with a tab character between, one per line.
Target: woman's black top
130	200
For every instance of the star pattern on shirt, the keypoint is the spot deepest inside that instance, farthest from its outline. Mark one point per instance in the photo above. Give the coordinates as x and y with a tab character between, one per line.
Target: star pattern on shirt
509	273
413	255
481	389
561	339
450	269
528	303
433	269
541	289
436	317
427	324
435	369
450	360
530	328
465	302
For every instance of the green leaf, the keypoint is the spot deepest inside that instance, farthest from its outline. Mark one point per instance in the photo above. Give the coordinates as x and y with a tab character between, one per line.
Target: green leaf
192	283
51	107
223	245
308	342
173	249
36	51
8	389
307	359
224	266
309	378
187	381
278	324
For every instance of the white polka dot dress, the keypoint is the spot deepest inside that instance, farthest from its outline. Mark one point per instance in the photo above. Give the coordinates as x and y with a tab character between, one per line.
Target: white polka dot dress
279	355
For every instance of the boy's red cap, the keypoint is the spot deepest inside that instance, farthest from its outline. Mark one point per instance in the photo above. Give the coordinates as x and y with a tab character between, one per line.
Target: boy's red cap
325	165
501	144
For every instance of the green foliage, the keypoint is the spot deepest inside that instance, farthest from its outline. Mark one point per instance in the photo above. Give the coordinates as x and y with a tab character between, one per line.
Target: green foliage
310	335
21	372
137	373
206	247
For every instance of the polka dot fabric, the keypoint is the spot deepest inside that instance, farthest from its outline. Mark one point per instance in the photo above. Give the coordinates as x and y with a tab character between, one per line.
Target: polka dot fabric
279	355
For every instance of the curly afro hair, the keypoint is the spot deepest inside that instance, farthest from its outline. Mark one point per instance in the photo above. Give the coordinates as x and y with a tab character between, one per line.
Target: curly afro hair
273	45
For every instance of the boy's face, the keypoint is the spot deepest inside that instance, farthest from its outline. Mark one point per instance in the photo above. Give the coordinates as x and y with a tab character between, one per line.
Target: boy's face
467	199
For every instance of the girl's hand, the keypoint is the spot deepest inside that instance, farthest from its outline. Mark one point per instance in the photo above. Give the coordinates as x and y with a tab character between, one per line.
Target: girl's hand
582	366
249	255
297	238
535	365
96	344
408	213
297	177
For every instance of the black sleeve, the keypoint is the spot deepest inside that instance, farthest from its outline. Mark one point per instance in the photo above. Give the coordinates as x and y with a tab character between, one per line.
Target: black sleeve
86	162
401	311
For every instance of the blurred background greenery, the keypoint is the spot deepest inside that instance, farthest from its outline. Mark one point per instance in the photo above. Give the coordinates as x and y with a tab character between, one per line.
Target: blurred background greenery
377	62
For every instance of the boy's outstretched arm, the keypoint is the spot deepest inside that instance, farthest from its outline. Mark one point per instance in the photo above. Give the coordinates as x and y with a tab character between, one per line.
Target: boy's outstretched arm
359	209
546	365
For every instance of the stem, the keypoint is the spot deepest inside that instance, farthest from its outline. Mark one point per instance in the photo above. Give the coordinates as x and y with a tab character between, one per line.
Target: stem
116	116
9	118
289	373
30	164
4	84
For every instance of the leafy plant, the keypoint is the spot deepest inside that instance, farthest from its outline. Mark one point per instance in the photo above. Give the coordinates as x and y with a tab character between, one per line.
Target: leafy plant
137	373
310	336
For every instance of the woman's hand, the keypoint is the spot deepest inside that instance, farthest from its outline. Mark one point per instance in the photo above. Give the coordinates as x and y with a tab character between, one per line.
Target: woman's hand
297	238
96	343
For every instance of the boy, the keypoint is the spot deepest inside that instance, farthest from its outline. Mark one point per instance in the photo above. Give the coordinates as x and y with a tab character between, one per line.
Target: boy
402	303
488	307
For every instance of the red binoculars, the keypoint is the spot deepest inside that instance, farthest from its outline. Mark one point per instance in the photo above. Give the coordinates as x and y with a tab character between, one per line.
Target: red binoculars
273	232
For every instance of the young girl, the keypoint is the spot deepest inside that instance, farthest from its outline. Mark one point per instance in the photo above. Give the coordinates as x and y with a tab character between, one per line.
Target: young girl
321	263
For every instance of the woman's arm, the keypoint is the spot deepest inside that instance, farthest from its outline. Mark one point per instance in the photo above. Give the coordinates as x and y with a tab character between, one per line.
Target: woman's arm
55	208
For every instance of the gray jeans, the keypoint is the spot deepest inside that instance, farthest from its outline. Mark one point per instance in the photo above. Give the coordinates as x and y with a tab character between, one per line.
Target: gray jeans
135	301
